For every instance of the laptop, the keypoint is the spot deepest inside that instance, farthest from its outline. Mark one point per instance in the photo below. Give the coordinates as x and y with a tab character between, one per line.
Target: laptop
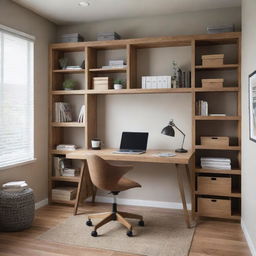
133	143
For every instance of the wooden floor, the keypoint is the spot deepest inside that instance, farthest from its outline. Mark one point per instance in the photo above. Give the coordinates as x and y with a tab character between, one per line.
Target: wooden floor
211	237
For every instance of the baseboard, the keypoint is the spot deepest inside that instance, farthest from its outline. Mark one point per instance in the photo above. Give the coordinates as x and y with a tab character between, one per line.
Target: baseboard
248	238
136	202
41	203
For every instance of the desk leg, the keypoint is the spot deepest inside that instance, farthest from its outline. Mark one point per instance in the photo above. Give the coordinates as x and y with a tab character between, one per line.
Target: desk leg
79	188
182	194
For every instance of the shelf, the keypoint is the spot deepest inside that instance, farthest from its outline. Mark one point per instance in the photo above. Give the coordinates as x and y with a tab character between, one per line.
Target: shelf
224	89
108	70
217	147
237	195
69	202
69	70
234	171
68	92
68	124
140	91
224	118
66	178
231	217
225	66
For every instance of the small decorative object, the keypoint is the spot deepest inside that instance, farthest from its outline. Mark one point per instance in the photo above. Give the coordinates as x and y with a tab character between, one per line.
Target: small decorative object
69	84
83	65
118	84
252	105
169	131
63	62
175	75
96	144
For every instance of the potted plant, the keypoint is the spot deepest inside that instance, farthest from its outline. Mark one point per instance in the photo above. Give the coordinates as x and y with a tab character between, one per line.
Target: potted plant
69	84
118	84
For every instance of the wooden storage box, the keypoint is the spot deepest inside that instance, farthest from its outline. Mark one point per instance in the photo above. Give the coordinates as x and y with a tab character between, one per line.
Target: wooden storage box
214	185
102	83
215	141
213	60
211	207
212	83
64	193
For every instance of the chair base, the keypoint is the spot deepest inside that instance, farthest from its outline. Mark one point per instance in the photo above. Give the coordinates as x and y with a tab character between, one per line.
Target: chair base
115	216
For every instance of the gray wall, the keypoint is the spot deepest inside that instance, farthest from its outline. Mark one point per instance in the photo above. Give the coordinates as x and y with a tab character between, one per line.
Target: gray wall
248	146
148	112
19	18
174	24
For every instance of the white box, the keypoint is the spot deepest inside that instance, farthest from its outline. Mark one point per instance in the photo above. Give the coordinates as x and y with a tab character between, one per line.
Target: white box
159	82
164	82
148	82
154	82
143	82
169	82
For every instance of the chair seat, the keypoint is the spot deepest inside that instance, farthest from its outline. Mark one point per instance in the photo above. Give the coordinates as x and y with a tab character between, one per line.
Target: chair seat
124	184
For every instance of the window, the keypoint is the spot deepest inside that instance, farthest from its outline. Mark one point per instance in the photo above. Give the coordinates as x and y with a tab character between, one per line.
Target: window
16	97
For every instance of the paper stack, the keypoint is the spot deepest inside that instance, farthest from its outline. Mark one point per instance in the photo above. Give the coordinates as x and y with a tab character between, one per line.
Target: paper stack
15	186
64	193
70	172
63	112
68	147
216	163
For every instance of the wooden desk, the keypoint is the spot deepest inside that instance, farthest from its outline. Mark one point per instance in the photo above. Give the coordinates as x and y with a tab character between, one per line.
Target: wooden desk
148	157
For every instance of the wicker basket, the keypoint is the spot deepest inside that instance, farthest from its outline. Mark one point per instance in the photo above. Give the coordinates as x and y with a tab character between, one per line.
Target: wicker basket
17	210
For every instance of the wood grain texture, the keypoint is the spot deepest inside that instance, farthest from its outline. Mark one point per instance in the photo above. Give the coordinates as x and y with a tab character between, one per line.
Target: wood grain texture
213	238
148	157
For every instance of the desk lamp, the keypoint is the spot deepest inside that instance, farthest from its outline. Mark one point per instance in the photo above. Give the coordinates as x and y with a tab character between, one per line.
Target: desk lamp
169	131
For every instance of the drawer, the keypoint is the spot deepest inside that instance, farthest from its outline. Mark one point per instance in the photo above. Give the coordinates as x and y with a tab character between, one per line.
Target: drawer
210	207
215	141
214	185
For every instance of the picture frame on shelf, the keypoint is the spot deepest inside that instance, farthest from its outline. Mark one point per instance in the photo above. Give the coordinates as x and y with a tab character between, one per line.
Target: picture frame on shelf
252	106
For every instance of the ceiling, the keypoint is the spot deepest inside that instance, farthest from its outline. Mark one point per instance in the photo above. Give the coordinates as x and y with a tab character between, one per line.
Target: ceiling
68	11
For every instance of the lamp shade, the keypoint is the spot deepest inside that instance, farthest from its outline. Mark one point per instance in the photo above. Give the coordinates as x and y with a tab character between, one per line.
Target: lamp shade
168	130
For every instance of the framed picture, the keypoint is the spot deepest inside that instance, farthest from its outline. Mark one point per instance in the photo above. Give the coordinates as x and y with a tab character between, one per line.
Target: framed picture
252	106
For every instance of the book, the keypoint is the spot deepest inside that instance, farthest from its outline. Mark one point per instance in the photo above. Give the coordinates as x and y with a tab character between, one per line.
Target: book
202	108
66	147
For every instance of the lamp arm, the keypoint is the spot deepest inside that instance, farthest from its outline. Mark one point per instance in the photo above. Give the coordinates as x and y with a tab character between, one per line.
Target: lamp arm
184	135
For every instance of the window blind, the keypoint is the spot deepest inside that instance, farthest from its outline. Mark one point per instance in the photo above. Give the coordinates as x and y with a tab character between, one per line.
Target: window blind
16	98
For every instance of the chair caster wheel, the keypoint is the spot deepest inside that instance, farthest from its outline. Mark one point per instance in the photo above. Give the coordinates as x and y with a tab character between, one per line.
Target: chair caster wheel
94	234
89	223
141	223
129	233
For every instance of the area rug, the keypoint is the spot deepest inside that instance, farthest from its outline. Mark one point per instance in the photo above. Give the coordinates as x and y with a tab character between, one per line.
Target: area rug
164	234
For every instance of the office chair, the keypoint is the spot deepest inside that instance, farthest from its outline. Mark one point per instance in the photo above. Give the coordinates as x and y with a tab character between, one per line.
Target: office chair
110	178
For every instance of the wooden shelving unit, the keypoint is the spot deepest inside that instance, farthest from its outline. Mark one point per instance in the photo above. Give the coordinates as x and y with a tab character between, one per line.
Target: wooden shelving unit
199	44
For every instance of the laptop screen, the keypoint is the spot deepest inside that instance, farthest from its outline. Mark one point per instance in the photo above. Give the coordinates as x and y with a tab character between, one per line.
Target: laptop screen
134	141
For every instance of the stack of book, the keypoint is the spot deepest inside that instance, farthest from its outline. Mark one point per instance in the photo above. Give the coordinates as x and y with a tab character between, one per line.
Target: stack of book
115	64
216	163
202	108
68	147
73	67
15	186
63	112
71	172
64	193
81	115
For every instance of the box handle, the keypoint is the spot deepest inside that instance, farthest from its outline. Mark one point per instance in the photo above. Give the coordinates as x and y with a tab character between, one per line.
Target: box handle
214	138
214	200
213	178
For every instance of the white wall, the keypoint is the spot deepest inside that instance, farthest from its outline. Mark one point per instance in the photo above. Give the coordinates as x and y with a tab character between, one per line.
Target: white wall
152	112
19	18
248	146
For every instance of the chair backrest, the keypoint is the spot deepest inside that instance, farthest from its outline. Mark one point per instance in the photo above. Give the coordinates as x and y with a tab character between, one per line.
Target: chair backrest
104	175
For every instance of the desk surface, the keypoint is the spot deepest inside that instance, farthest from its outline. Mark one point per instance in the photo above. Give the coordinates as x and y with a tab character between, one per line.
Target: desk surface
148	157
